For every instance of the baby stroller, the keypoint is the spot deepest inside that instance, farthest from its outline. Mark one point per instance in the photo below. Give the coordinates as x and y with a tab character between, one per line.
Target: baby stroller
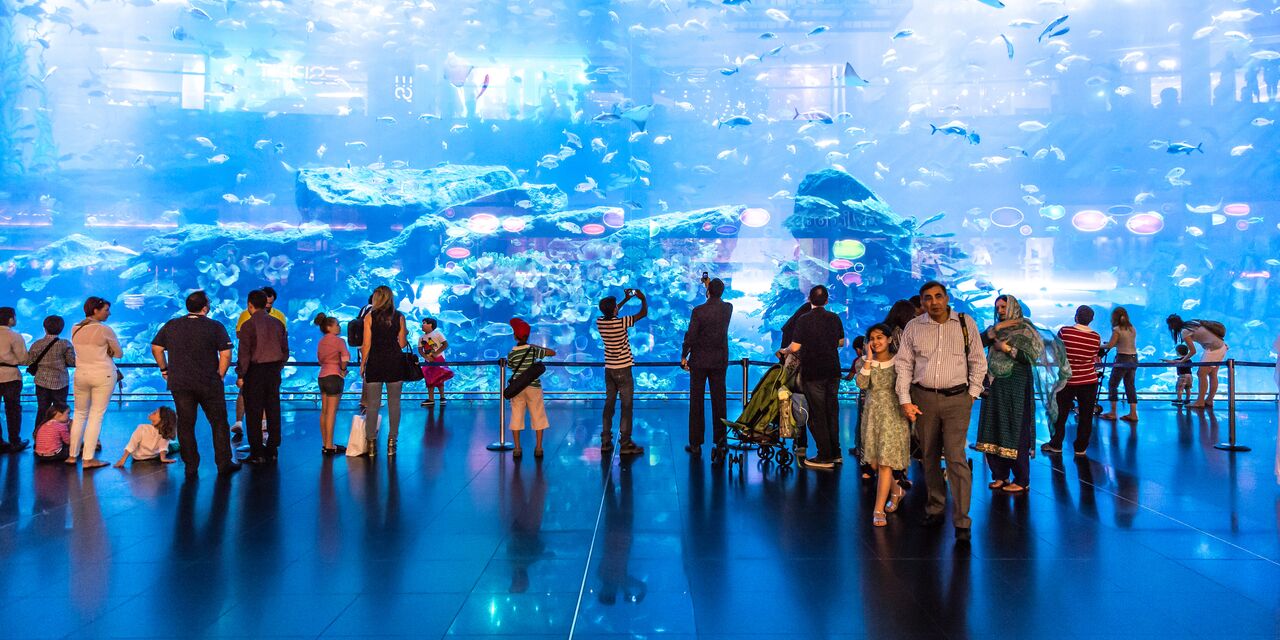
773	414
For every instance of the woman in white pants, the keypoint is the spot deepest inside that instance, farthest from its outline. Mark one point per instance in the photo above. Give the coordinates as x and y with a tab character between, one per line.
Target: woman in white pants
96	348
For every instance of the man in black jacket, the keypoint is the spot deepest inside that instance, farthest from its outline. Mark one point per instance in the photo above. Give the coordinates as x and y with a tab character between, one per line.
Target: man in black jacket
705	354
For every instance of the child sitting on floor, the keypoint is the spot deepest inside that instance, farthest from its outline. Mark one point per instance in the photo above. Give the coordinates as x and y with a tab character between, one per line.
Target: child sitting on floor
53	436
150	442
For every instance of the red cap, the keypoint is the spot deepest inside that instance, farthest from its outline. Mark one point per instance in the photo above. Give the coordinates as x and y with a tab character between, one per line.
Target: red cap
520	329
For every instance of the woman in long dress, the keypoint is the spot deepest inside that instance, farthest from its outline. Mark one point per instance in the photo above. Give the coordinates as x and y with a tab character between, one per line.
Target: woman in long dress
1006	424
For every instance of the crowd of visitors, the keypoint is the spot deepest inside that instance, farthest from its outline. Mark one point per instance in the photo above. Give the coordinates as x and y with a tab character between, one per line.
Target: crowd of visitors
920	372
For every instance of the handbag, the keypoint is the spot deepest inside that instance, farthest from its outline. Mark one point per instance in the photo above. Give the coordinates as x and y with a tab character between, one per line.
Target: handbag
525	378
35	364
412	368
356	441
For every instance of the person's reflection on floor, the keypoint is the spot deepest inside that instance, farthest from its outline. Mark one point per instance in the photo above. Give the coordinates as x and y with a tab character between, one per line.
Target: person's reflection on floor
1088	500
52	481
328	515
89	546
195	574
526	508
9	491
619	533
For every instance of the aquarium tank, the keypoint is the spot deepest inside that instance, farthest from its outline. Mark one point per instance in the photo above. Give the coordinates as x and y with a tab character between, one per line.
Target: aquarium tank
489	159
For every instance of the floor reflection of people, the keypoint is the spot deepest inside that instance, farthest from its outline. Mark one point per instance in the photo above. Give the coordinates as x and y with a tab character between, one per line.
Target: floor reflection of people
51	485
195	541
619	534
89	546
527	505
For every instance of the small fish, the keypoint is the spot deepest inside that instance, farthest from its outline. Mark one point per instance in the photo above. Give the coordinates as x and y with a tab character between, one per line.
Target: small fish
1240	150
219	159
1179	271
200	14
356	144
457	127
662	139
777	15
1049	29
1261	122
139	160
484	86
205	142
1008	46
1031	126
768	35
572	138
726	153
240	177
814	115
1265	54
231	197
993	3
1195	232
728	71
608	157
1255	323
1204	208
598	145
1123	91
956	129
428	117
588	185
259	145
1184	148
1188	282
1202	32
903	34
734	122
320	150
387	119
818	30
1023	23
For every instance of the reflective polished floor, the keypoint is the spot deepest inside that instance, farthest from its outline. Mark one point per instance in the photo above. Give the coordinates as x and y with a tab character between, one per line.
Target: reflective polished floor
1155	534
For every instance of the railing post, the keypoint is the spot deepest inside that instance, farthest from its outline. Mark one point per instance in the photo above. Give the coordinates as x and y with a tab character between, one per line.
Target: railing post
1230	444
745	381
501	444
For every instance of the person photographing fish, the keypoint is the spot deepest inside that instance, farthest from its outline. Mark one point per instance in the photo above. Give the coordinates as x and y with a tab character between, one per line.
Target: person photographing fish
705	355
617	369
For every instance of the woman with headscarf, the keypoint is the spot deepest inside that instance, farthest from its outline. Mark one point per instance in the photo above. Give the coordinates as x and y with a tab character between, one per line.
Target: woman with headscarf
1006	424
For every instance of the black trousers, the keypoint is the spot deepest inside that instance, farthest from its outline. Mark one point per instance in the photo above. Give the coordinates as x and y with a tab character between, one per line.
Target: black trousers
824	416
1084	396
45	398
698	379
10	394
262	396
213	401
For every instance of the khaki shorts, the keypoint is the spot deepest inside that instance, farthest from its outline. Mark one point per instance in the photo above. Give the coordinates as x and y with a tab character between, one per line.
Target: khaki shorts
1215	355
528	400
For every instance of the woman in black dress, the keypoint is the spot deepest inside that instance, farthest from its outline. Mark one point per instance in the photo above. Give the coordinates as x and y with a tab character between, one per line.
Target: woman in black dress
382	363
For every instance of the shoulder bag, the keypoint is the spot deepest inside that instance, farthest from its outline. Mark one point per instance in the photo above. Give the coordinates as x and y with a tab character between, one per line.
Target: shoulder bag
35	365
525	378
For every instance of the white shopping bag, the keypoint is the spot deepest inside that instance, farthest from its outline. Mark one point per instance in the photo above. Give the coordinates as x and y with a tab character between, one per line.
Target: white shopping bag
356	442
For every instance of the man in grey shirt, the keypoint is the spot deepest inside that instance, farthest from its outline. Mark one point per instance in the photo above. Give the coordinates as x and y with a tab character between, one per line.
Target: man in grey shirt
940	367
13	352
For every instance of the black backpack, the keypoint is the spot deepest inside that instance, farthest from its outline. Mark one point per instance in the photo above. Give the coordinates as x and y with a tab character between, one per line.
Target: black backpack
355	332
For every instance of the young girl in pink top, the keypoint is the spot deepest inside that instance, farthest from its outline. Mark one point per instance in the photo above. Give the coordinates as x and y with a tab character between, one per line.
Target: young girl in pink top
53	436
333	355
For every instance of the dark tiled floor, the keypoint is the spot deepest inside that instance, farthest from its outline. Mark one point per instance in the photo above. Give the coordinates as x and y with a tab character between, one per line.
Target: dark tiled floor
1156	534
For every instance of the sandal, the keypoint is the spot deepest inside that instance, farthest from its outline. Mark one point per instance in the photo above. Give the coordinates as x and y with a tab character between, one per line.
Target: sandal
1010	488
997	484
70	460
1130	419
1108	416
895	501
878	519
516	454
537	453
334	450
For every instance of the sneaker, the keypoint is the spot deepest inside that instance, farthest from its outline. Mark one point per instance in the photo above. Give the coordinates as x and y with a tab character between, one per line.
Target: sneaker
1081	454
1048	448
814	463
630	449
428	403
838	460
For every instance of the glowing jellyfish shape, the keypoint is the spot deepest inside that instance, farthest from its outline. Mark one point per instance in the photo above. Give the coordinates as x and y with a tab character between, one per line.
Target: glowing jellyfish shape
1120	210
1242	225
727	229
754	217
858	267
840	264
1145	224
1089	220
1236	209
593	229
1218	219
1025	229
457	253
849	249
614	218
513	224
850	279
455	232
1053	212
1007	217
483	223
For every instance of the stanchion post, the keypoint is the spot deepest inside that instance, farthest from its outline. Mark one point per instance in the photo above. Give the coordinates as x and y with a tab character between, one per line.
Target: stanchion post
501	444
745	381
1230	444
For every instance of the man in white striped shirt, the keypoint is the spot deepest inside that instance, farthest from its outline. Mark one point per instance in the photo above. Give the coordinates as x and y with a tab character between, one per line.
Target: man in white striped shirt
940	367
617	369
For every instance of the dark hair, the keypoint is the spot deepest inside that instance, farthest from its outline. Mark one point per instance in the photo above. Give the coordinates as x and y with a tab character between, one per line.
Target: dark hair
715	288
882	328
1175	324
271	293
608	305
324	322
915	301
818	296
900	314
931	284
258	299
1084	314
53	325
93	304
858	343
1182	349
434	324
53	410
197	301
1120	318
168	423
7	314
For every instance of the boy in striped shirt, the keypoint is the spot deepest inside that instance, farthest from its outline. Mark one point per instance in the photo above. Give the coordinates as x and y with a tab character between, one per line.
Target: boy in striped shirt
1082	346
617	369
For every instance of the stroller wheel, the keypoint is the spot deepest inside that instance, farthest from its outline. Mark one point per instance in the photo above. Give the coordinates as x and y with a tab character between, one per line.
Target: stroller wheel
765	453
784	458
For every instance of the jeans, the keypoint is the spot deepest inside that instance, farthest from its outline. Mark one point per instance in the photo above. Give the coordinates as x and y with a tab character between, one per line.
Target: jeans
262	396
213	401
824	416
93	393
698	379
10	394
373	404
1126	375
45	398
618	382
1084	396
